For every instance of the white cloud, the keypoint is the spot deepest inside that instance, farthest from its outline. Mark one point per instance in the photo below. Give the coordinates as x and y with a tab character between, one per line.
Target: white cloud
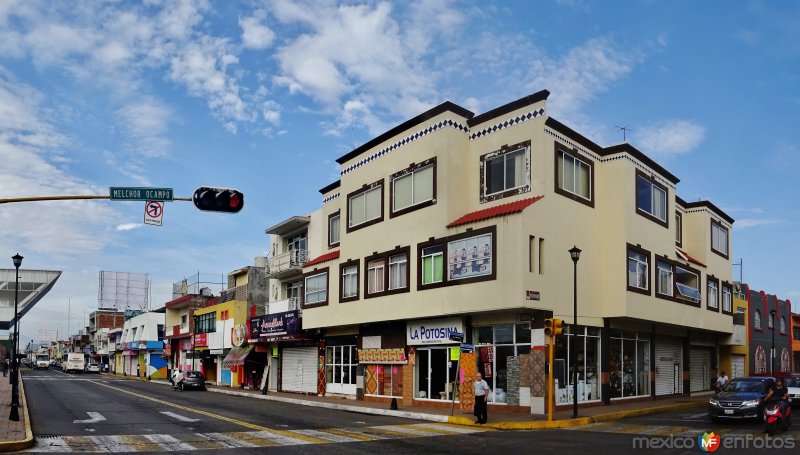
746	223
256	35
147	121
128	226
669	138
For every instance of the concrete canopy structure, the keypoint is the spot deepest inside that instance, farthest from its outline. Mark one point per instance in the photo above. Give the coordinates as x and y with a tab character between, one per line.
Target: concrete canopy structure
33	285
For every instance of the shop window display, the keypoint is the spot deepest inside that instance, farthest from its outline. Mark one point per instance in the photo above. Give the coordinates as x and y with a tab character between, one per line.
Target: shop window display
494	344
588	359
629	363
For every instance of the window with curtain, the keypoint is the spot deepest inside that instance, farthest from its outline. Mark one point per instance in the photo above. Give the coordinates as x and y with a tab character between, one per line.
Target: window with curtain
719	238
365	206
664	275
316	288
350	281
412	188
727	299
713	294
637	270
432	264
574	175
651	198
398	271
375	276
333	229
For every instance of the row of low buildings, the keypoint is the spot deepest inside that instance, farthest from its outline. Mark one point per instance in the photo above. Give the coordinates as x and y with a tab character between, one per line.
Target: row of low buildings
460	223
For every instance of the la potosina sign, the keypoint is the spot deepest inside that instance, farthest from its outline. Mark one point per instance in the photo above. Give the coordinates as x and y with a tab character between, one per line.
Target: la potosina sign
123	193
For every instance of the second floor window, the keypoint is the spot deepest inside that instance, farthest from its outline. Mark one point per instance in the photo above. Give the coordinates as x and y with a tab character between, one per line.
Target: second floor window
375	275
365	206
505	172
678	229
574	175
470	257
412	188
432	264
206	323
651	198
713	293
316	288
726	299
719	238
350	281
664	278
688	284
757	320
333	229
184	321
637	270
398	271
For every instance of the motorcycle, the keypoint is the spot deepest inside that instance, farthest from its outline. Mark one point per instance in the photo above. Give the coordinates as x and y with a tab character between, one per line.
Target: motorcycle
775	419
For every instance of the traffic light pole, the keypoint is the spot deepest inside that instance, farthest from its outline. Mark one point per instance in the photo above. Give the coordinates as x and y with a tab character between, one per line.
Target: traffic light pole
550	381
67	198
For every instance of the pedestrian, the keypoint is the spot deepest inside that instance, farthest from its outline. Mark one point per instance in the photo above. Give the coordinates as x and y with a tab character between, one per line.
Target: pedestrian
176	380
5	368
722	381
481	398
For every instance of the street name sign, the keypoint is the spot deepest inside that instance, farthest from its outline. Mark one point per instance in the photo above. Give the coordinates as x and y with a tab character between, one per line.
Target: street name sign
122	193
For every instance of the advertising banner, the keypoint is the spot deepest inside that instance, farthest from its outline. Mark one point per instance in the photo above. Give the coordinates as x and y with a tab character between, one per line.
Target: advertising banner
433	331
269	325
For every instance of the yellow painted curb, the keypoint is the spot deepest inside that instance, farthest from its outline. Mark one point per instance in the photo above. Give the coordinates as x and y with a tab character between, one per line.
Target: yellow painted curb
14	446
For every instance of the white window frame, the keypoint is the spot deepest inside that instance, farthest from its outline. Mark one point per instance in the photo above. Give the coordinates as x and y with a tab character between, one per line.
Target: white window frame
350	273
727	299
396	261
504	157
413	175
681	293
323	290
373	271
670	274
717	231
576	163
362	198
654	189
713	288
433	256
640	263
338	218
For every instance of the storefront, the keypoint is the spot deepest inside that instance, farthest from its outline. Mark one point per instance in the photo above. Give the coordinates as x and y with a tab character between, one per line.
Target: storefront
669	365
434	371
341	362
629	364
383	358
494	345
299	369
588	357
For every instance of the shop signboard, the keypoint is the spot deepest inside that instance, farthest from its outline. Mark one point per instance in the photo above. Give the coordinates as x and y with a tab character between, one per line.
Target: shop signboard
433	331
269	325
201	339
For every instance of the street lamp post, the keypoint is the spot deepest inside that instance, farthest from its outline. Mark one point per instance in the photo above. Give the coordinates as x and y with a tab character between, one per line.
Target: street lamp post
772	351
575	254
15	368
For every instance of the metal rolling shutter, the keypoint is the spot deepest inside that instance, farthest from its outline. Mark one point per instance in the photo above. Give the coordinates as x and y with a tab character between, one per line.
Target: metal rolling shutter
699	364
737	366
299	370
669	376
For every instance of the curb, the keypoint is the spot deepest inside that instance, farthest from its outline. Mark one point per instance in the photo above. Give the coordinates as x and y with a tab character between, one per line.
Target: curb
28	442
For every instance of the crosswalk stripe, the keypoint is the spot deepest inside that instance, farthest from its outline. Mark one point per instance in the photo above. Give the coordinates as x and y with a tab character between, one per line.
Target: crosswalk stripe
255	440
232	442
327	436
169	442
356	433
110	444
81	443
139	443
57	444
448	428
279	438
200	441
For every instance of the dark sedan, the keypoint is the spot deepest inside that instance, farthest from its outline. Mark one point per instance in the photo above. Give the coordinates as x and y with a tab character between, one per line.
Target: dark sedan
193	380
740	399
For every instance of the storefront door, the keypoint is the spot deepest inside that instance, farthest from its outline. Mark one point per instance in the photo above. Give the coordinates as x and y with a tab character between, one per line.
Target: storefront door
435	374
340	369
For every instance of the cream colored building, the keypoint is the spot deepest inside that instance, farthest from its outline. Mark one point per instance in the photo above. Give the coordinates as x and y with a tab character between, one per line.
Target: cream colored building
456	222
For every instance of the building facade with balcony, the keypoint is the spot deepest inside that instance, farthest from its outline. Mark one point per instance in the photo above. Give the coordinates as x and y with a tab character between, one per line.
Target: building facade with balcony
456	222
179	323
143	338
770	335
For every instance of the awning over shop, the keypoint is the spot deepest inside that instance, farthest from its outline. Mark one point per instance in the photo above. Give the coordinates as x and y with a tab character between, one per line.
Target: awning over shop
236	356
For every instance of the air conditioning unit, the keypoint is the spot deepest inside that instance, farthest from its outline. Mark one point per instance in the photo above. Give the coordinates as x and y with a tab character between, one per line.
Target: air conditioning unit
206	292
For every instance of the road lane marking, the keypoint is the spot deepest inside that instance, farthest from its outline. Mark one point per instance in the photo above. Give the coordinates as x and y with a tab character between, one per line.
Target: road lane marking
110	444
138	443
232	442
179	417
169	442
327	436
279	438
252	439
442	428
703	415
353	433
94	417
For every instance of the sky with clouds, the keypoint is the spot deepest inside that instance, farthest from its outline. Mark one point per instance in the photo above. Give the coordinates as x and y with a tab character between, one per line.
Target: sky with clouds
264	95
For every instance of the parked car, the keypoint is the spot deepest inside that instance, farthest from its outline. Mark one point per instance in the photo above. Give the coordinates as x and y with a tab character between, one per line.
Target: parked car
793	384
192	380
740	399
92	368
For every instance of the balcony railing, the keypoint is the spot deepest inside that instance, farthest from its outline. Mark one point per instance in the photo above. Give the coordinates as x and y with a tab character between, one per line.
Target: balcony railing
287	263
290	304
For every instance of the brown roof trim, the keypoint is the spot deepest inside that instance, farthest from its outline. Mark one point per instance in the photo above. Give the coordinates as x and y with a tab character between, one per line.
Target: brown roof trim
506	108
331	186
427	115
572	134
710	206
679	200
633	151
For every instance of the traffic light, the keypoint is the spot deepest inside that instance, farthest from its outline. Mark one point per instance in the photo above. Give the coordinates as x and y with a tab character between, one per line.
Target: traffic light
218	199
553	327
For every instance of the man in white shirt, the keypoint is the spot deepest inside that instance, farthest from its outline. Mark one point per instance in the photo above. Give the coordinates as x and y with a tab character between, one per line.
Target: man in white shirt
722	381
481	397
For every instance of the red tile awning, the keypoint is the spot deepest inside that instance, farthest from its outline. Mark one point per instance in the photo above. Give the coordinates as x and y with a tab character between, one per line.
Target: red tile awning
236	356
685	256
324	258
492	212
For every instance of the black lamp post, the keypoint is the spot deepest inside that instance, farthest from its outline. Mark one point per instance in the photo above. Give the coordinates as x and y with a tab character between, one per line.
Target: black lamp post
14	367
575	254
772	351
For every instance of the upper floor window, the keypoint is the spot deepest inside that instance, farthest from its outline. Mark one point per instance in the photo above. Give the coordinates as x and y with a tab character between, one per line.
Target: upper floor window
333	229
316	288
505	172
375	275
719	238
713	294
638	269
470	257
678	228
206	323
664	278
770	322
365	206
651	198
757	320
679	282
398	271
184	321
574	175
349	271
783	324
432	264
727	302
413	188
687	284
387	272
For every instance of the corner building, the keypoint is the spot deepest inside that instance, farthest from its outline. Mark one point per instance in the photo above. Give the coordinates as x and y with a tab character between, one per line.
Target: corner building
456	222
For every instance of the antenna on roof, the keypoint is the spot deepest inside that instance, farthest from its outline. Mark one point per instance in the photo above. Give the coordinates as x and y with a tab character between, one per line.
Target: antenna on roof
624	129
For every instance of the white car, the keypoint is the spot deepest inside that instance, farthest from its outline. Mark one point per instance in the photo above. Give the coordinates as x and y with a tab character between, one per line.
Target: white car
793	384
92	368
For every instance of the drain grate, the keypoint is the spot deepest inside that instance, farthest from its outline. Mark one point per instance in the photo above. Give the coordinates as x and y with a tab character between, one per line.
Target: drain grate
48	436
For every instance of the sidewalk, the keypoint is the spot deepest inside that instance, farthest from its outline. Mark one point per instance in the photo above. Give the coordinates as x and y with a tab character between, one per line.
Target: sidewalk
14	435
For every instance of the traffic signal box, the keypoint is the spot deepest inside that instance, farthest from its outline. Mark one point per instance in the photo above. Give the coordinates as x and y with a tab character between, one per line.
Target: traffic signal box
553	327
218	199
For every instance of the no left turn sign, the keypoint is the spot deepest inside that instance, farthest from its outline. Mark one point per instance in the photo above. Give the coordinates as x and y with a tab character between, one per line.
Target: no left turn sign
153	213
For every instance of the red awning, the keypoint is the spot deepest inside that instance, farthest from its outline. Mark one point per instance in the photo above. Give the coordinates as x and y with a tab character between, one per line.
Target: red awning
236	356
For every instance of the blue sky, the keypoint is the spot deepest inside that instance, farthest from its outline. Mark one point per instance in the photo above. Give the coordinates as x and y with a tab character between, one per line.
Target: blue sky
265	95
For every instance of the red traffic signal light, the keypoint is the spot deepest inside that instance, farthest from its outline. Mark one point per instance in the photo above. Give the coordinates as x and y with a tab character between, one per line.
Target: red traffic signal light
553	327
218	199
